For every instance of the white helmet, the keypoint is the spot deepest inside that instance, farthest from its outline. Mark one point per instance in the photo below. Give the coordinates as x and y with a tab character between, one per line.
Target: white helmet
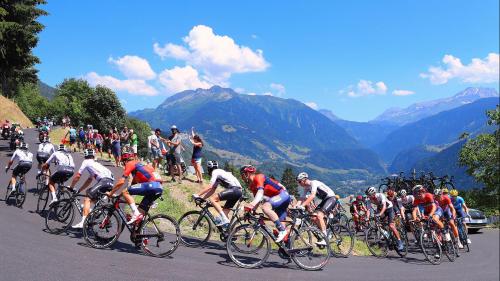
438	192
402	193
302	176
370	191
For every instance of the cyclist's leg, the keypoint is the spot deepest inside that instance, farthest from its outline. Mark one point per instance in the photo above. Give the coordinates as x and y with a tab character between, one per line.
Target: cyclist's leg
390	217
276	209
231	196
325	207
437	217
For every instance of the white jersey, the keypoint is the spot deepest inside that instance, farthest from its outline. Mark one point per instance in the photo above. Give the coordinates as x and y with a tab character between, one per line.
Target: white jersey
46	147
95	169
61	159
406	202
380	200
22	156
322	190
223	178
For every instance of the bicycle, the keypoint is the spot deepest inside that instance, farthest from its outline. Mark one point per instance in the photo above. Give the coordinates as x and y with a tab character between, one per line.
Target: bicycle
430	242
61	214
379	240
340	237
462	233
62	192
248	245
448	243
156	235
42	180
19	192
196	226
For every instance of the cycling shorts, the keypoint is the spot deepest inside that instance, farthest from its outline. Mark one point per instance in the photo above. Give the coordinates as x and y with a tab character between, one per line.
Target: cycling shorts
389	213
62	174
150	190
326	205
231	195
42	157
461	213
447	213
102	186
439	212
22	168
280	204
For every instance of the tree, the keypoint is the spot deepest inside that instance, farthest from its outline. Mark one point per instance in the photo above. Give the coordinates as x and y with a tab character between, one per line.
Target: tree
31	102
70	100
288	180
104	110
481	155
19	30
143	130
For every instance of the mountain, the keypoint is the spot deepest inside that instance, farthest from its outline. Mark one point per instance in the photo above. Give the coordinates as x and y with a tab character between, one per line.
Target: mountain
418	111
368	134
440	129
406	159
329	114
46	90
263	129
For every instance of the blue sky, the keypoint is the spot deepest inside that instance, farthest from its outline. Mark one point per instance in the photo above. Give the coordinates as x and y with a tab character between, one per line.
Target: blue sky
356	58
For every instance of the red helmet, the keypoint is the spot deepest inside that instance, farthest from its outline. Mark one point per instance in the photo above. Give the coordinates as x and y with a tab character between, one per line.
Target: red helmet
390	192
247	169
127	156
359	198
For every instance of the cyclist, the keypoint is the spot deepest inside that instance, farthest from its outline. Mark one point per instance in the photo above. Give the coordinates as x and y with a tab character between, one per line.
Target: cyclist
97	171
231	193
276	198
25	161
65	169
384	208
45	149
449	213
358	206
142	180
461	209
430	208
405	203
324	193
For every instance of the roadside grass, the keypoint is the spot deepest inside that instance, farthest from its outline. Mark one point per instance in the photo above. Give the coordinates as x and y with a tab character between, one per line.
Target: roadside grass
10	111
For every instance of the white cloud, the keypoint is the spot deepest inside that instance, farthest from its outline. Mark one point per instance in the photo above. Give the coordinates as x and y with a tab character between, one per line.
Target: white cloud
477	71
239	90
134	67
279	88
216	56
312	105
134	87
366	88
402	92
181	78
268	94
252	94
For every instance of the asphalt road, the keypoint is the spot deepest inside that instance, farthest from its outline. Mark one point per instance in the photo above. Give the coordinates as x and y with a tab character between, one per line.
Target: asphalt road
27	252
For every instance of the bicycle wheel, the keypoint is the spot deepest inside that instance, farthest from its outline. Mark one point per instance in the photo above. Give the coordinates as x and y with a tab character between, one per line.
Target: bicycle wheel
462	234
341	240
449	249
43	197
20	195
430	246
60	216
255	241
195	230
404	238
159	236
383	187
102	227
40	183
305	251
376	242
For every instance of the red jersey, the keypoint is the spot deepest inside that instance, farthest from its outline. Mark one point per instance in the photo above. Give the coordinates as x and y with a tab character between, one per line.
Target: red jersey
271	187
140	172
426	201
444	202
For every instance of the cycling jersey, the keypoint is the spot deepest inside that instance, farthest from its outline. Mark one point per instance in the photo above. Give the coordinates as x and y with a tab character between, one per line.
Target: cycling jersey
271	187
61	159
95	169
427	201
322	190
457	203
141	173
406	202
380	200
46	147
224	179
22	156
444	202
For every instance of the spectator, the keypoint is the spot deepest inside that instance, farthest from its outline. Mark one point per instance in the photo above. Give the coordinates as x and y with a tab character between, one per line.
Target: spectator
107	142
154	141
72	138
133	141
196	157
150	137
81	138
175	145
98	141
124	137
116	148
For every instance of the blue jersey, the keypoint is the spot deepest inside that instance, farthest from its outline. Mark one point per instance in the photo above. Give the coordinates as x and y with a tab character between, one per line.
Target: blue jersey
72	133
457	202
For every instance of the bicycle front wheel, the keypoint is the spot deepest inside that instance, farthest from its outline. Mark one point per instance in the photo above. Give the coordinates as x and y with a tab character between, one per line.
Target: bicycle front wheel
159	236
306	251
59	216
42	199
195	229
254	241
376	242
430	247
102	227
20	195
341	241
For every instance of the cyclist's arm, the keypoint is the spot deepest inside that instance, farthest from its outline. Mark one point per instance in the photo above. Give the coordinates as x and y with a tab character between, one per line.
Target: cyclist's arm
206	190
414	212
466	209
384	207
119	184
258	196
85	184
433	210
75	180
453	211
309	199
14	156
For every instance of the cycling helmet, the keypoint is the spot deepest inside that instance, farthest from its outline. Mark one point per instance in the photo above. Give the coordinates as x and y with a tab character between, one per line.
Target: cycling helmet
454	192
62	147
302	176
418	188
212	165
445	190
23	146
247	169
46	139
89	153
337	196
390	193
359	198
438	192
402	193
173	127
370	191
127	156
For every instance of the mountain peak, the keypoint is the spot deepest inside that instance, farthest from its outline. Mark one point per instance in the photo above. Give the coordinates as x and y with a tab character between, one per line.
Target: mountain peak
477	92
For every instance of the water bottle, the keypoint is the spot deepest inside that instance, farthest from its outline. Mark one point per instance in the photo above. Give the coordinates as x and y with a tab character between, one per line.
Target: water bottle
384	233
447	236
275	232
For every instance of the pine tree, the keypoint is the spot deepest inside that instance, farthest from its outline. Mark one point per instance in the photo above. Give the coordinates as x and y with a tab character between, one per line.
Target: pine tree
288	180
